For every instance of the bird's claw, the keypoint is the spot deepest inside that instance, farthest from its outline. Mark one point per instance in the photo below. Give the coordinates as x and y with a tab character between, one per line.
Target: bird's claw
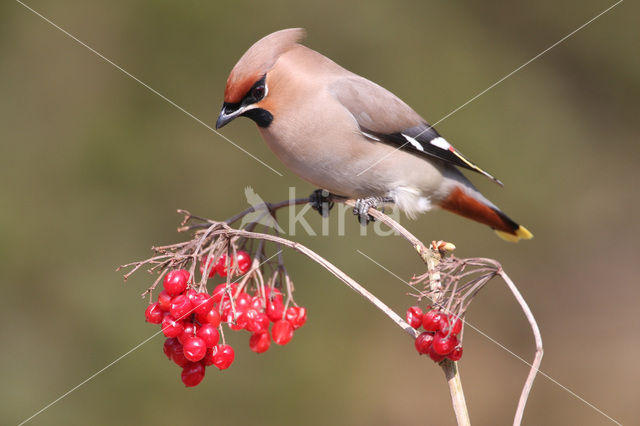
321	201
362	207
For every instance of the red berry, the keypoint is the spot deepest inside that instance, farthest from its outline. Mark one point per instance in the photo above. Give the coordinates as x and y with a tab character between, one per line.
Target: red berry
225	311
414	317
273	293
220	292
188	332
256	321
173	350
194	349
153	314
242	302
240	322
256	303
209	334
435	356
244	261
455	354
450	324
297	316
431	320
178	357
171	327
222	356
275	309
282	332
192	374
260	342
221	266
423	342
164	301
180	306
208	265
175	282
443	344
170	346
212	317
191	294
208	357
202	303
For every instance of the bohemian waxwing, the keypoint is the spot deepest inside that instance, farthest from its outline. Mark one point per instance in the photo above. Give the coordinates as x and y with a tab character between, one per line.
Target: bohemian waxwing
351	137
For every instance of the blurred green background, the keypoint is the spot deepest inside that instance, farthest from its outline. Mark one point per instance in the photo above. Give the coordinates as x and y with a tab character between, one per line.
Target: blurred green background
93	167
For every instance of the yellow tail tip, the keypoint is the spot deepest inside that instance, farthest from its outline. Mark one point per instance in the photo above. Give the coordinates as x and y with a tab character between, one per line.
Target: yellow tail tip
521	233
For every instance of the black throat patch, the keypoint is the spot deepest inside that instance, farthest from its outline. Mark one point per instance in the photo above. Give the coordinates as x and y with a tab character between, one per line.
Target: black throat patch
262	117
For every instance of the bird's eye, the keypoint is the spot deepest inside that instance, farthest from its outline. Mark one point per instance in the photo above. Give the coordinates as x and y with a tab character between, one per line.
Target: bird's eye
257	92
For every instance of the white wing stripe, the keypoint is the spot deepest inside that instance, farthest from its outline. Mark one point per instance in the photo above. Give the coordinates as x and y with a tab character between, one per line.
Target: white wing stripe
370	136
417	145
440	142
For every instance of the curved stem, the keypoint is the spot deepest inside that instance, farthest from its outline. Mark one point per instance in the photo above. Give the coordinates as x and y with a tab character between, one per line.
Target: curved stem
350	282
378	215
537	360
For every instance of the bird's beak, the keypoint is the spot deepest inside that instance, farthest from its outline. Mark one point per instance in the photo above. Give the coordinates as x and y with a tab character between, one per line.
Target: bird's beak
227	114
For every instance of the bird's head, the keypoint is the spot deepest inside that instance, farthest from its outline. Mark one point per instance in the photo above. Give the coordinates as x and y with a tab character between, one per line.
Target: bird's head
247	84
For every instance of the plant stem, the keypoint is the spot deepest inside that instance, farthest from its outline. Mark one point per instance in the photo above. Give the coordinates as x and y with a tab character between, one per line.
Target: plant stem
431	257
537	359
457	394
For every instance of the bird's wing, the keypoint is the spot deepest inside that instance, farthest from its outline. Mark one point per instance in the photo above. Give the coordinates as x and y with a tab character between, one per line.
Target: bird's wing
384	117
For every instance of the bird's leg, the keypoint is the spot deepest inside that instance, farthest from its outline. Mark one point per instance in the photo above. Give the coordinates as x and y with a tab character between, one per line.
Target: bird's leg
321	201
363	205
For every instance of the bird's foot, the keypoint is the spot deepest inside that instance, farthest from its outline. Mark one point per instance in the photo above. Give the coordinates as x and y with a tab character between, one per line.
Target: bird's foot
321	201
363	205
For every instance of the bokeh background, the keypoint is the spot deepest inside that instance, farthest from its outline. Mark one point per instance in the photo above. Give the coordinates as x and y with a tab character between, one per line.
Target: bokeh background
93	167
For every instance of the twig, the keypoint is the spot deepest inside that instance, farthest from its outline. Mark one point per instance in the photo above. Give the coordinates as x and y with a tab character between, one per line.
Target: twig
452	374
535	366
450	368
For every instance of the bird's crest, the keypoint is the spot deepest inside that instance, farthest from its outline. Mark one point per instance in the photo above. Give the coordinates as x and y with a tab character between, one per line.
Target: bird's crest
258	60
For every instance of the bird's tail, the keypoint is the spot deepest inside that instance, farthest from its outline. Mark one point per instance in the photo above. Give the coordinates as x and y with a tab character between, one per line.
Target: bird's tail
466	201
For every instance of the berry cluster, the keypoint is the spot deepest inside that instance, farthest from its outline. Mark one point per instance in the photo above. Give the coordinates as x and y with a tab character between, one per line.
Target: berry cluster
440	338
192	320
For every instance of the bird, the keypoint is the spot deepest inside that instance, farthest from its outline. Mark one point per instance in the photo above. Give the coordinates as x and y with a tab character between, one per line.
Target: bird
350	136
